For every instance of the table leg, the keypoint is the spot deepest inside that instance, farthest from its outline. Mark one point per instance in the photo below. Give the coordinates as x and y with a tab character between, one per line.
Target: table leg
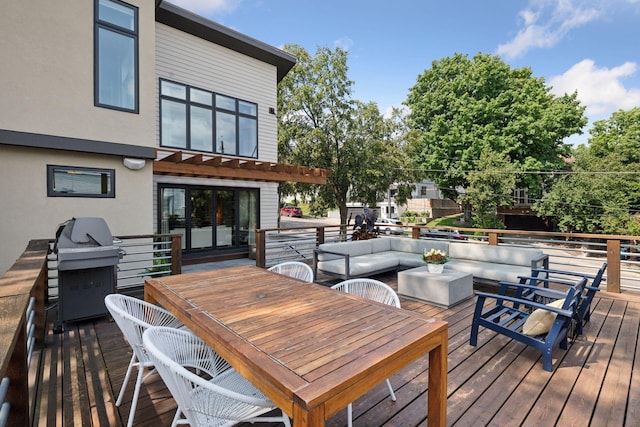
303	418
437	392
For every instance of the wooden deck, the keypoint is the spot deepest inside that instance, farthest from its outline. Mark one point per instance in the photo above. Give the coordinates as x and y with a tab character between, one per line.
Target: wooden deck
500	382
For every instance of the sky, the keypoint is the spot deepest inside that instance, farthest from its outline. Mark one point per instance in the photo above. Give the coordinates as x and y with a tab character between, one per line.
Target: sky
591	46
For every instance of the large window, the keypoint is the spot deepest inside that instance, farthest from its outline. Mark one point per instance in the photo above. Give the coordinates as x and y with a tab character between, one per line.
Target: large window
116	55
66	181
209	218
200	120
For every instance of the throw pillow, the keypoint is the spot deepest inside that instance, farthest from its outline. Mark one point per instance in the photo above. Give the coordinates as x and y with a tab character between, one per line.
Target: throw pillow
540	321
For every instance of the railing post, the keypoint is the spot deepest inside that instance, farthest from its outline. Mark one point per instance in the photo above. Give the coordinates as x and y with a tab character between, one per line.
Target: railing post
493	238
415	232
260	249
176	254
613	266
319	236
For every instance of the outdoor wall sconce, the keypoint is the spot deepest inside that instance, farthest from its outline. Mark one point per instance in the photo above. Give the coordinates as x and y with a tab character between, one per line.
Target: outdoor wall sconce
133	164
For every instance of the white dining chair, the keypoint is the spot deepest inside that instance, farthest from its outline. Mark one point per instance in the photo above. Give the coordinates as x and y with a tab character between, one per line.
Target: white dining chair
133	316
208	390
295	269
377	291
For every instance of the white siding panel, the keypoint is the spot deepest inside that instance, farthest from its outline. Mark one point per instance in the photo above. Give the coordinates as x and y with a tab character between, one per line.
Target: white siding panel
190	60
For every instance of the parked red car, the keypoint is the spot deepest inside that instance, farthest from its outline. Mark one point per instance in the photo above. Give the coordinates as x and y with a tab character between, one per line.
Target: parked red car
291	211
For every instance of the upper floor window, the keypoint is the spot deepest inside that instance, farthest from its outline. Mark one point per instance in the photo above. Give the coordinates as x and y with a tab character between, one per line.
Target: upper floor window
521	197
200	120
116	55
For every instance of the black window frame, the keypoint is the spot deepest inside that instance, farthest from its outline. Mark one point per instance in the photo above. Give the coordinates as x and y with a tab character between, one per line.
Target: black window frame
51	192
187	219
214	110
133	34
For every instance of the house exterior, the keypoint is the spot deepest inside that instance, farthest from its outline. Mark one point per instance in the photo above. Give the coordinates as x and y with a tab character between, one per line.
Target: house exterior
142	113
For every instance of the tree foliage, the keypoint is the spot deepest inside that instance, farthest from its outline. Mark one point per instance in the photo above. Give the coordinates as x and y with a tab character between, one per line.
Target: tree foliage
320	125
467	106
490	186
602	195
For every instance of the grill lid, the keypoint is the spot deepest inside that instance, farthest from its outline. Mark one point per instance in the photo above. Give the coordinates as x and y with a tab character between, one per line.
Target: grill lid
85	243
83	232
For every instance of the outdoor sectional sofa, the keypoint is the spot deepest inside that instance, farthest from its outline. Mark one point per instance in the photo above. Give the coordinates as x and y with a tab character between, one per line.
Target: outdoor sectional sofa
365	258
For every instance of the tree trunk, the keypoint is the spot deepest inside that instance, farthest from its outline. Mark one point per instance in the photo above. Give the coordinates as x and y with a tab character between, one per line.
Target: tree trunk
466	209
343	213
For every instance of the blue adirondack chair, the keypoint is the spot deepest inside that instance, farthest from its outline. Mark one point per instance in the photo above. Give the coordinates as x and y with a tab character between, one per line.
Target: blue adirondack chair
542	278
509	314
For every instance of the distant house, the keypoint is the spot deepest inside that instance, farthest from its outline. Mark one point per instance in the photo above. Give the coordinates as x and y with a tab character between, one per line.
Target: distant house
142	113
425	198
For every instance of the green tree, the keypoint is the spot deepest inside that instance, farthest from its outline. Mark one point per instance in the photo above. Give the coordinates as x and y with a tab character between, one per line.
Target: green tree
490	186
602	194
467	106
321	125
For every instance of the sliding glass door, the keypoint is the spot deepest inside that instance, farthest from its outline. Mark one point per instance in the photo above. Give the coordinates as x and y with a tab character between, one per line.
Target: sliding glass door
209	218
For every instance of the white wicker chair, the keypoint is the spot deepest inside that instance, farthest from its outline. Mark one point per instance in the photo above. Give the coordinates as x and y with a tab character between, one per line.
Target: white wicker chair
133	316
208	390
296	269
376	291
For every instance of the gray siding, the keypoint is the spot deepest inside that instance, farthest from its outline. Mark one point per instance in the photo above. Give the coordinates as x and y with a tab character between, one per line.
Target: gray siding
187	59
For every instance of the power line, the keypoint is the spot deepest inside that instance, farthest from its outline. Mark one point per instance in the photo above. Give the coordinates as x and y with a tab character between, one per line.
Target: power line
553	172
599	208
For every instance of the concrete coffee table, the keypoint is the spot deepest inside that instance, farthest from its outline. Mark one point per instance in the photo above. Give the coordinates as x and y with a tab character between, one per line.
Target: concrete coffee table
442	289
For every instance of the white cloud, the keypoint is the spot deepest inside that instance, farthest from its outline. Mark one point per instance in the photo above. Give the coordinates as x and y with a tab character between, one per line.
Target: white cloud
600	89
546	22
207	7
343	43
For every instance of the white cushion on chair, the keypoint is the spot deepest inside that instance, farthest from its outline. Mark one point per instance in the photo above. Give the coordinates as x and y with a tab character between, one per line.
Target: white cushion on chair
540	321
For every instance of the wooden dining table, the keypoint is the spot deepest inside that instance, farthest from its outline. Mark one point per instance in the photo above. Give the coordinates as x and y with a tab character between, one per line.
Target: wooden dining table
311	349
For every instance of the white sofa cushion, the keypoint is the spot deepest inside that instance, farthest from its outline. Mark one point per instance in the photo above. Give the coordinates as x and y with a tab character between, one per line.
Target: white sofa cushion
489	271
361	265
416	246
353	249
494	254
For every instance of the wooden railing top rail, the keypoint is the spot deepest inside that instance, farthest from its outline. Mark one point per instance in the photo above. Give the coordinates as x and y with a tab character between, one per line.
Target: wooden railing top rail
481	230
303	228
22	275
26	277
540	233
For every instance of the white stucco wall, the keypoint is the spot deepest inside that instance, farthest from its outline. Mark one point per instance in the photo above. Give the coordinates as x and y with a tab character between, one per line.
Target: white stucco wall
47	73
47	88
27	213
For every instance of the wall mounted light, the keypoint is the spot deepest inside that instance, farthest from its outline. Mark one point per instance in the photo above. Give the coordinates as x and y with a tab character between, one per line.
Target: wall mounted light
133	164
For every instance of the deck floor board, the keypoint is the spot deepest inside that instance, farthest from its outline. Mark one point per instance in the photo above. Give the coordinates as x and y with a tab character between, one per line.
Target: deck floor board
500	382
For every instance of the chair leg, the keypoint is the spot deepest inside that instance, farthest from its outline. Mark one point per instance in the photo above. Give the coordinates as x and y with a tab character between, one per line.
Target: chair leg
285	419
126	380
350	415
136	393
391	393
177	419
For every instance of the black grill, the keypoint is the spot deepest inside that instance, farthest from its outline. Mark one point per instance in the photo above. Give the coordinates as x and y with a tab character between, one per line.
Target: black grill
87	261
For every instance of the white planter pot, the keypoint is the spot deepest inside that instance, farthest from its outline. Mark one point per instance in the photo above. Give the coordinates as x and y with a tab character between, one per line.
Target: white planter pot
435	268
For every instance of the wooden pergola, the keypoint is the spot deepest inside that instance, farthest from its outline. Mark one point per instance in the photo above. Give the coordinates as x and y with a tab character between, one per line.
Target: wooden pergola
181	163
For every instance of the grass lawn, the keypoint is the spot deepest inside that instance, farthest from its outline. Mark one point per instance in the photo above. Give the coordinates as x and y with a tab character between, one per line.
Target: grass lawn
452	221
